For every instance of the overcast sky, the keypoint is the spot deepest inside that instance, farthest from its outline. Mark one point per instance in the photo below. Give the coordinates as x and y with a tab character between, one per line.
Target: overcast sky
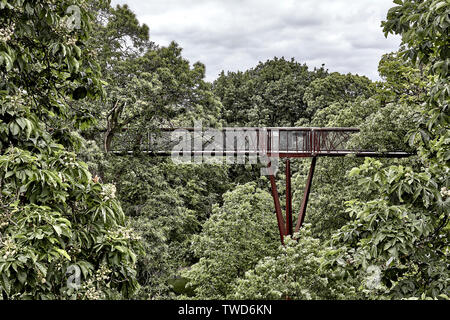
234	35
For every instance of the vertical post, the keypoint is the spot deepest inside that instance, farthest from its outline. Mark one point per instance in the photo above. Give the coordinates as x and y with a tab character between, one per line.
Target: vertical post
301	216
276	201
258	132
288	198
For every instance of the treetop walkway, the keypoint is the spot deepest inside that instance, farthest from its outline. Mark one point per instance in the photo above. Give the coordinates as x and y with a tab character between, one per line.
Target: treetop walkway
239	144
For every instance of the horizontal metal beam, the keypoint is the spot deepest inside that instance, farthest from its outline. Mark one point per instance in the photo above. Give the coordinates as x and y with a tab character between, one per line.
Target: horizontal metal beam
252	128
283	154
265	128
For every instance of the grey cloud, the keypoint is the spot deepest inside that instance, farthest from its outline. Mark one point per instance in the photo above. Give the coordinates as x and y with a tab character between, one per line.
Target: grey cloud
236	35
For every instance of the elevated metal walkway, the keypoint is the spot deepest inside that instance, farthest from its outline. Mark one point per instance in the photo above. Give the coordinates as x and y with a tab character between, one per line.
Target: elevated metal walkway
268	143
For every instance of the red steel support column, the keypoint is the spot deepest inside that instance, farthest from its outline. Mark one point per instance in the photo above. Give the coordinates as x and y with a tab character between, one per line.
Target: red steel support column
288	199
276	201
301	216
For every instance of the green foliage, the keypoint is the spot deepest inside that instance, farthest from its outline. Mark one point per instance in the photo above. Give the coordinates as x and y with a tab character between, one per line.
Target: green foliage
168	204
53	215
335	88
424	28
233	239
146	85
403	229
399	231
403	82
209	231
271	94
293	274
330	189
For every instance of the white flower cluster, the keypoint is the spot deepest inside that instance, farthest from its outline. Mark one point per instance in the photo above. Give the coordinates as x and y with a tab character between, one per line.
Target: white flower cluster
445	192
74	250
40	277
91	291
69	161
108	192
59	265
71	41
17	99
123	233
103	273
6	33
4	224
9	248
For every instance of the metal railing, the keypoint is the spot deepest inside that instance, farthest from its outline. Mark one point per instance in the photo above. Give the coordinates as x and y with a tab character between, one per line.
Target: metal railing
284	142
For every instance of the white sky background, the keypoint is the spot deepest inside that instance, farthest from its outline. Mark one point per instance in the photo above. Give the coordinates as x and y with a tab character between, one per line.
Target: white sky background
234	35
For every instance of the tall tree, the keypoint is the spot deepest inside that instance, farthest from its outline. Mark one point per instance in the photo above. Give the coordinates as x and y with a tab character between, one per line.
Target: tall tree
147	87
233	239
336	88
401	226
271	94
54	217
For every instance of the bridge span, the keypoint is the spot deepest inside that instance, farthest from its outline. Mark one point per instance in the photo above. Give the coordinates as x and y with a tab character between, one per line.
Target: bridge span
251	142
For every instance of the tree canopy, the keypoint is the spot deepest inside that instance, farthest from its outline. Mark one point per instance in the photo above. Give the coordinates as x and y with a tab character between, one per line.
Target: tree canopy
80	79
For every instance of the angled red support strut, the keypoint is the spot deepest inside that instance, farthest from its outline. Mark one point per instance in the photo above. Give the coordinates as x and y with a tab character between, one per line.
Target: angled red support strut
301	216
276	201
285	227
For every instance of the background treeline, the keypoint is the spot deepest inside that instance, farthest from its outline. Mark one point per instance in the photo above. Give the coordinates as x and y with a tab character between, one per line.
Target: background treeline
144	228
